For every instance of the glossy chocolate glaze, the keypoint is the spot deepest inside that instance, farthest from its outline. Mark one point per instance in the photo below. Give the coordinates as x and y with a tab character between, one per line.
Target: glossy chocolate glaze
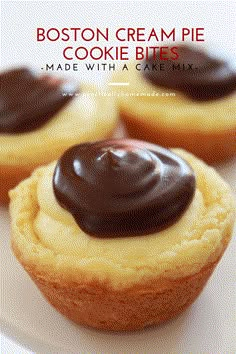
28	101
118	188
208	78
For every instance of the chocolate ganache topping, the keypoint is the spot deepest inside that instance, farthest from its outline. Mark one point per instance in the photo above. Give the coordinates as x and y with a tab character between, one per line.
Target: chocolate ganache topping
197	74
118	188
28	101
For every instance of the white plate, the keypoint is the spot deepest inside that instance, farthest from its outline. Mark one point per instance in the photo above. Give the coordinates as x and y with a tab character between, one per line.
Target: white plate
208	326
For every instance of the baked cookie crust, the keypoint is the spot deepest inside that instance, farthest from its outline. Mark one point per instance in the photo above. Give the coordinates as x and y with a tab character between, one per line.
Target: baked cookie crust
88	117
123	284
169	118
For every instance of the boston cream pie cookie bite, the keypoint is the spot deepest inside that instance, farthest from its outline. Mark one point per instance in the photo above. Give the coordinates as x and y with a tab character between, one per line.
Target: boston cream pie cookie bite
40	117
189	102
121	234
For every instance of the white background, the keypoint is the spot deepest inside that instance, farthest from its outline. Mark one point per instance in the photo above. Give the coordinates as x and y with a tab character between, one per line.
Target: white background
207	327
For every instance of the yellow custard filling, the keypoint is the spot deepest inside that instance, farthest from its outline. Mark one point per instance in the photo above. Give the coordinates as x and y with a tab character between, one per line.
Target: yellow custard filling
169	108
47	237
87	117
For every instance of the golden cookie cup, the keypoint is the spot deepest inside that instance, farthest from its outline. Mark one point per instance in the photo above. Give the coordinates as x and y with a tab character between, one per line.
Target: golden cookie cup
211	147
104	288
88	117
171	119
